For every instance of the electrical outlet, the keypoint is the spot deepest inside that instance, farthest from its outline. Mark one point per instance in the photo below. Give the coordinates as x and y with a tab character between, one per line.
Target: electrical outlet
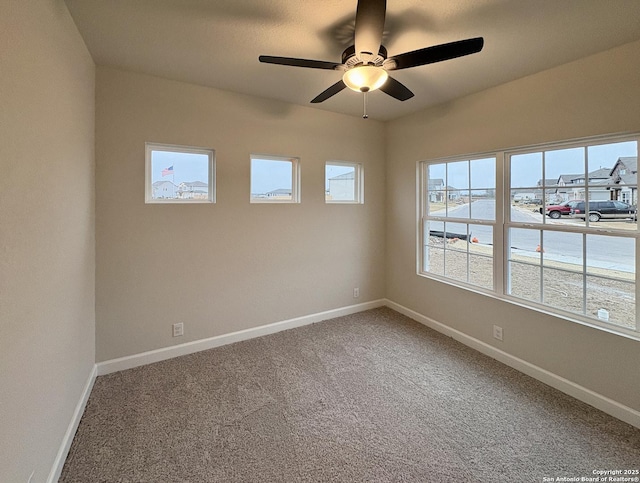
356	293
497	332
178	329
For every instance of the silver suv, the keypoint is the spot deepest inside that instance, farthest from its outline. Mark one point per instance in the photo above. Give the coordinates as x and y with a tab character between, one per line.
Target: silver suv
604	210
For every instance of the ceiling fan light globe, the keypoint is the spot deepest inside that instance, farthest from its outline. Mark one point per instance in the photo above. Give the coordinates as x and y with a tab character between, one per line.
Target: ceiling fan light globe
365	78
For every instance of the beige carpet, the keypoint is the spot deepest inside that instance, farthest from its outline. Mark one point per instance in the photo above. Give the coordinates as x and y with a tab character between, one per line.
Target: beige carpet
369	397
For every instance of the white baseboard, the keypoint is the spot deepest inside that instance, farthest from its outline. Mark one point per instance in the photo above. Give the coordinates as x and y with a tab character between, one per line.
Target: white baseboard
61	457
605	404
165	353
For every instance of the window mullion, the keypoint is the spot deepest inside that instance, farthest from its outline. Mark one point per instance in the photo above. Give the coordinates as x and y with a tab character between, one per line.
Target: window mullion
584	273
499	230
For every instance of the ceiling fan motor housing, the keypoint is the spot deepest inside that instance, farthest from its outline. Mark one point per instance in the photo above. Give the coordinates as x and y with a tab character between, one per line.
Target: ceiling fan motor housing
350	59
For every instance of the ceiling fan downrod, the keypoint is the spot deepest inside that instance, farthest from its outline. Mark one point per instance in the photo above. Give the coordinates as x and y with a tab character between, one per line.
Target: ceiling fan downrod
364	104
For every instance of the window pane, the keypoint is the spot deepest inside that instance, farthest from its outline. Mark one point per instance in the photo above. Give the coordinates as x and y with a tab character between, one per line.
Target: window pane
566	167
456	263
458	204
436	203
434	233
524	281
562	250
524	245
611	301
437	173
483	173
525	206
434	260
524	249
480	269
526	170
563	290
342	182
481	236
179	175
272	180
483	204
458	175
436	194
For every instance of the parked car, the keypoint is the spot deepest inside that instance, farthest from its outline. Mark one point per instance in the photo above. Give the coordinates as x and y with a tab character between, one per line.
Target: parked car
604	210
564	208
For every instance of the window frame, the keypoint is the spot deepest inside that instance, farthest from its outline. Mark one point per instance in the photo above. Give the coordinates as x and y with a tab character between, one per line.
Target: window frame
295	178
424	217
504	224
150	147
358	183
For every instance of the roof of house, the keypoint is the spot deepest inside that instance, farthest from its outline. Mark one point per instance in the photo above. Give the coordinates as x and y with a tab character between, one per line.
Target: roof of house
280	191
195	184
349	175
602	173
567	178
629	162
600	182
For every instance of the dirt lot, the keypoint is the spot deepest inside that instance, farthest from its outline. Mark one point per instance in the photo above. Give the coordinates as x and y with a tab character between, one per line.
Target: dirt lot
562	284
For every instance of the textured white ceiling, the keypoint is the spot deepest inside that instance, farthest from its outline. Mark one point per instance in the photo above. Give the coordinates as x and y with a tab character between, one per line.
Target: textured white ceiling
217	42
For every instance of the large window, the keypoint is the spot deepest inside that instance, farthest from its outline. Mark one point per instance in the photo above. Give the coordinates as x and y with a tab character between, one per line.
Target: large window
179	174
552	227
274	179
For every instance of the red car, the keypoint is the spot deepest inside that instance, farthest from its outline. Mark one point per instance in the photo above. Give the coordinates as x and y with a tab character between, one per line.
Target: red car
564	208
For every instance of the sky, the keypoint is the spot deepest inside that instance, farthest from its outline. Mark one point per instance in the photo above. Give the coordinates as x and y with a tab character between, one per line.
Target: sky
268	175
526	169
186	167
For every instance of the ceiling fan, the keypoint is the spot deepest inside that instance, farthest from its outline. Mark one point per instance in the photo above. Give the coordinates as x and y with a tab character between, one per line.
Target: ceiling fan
366	65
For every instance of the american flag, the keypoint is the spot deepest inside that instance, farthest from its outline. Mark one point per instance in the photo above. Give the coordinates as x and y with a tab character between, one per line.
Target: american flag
167	171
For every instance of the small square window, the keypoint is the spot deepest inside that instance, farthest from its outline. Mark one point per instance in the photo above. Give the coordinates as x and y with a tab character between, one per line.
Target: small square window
343	182
274	179
179	174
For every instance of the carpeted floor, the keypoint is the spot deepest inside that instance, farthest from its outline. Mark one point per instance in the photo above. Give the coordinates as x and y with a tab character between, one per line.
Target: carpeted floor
369	397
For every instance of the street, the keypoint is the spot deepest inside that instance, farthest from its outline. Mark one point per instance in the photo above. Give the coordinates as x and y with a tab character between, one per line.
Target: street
602	251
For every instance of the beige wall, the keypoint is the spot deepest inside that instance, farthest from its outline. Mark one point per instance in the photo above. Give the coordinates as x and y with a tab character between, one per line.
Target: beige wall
231	265
596	95
47	248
